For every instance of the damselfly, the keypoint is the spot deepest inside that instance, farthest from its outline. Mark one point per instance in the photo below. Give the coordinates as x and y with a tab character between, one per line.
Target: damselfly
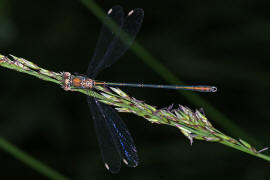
114	139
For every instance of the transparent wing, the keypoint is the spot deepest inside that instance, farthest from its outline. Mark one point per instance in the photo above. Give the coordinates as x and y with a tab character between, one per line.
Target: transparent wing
121	134
110	150
117	47
114	139
106	36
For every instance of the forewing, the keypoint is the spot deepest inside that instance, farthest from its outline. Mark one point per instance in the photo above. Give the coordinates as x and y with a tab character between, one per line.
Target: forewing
106	37
118	47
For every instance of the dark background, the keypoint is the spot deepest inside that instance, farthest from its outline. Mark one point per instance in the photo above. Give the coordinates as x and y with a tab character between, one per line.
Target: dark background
221	43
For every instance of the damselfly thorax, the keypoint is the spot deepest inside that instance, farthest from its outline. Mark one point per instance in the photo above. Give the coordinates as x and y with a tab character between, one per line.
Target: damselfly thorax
80	82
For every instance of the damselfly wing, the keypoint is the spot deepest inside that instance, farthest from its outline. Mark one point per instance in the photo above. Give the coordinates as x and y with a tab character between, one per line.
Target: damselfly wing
114	139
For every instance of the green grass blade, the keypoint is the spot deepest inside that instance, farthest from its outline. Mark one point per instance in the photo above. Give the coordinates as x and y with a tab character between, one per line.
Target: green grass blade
30	161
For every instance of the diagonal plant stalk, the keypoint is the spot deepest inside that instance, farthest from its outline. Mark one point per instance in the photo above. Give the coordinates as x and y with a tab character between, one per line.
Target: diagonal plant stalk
30	161
193	124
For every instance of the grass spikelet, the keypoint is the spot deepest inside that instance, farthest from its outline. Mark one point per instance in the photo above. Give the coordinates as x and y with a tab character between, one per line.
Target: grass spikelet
193	124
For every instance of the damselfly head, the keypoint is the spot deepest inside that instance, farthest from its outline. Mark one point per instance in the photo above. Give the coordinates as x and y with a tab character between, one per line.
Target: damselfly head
66	80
